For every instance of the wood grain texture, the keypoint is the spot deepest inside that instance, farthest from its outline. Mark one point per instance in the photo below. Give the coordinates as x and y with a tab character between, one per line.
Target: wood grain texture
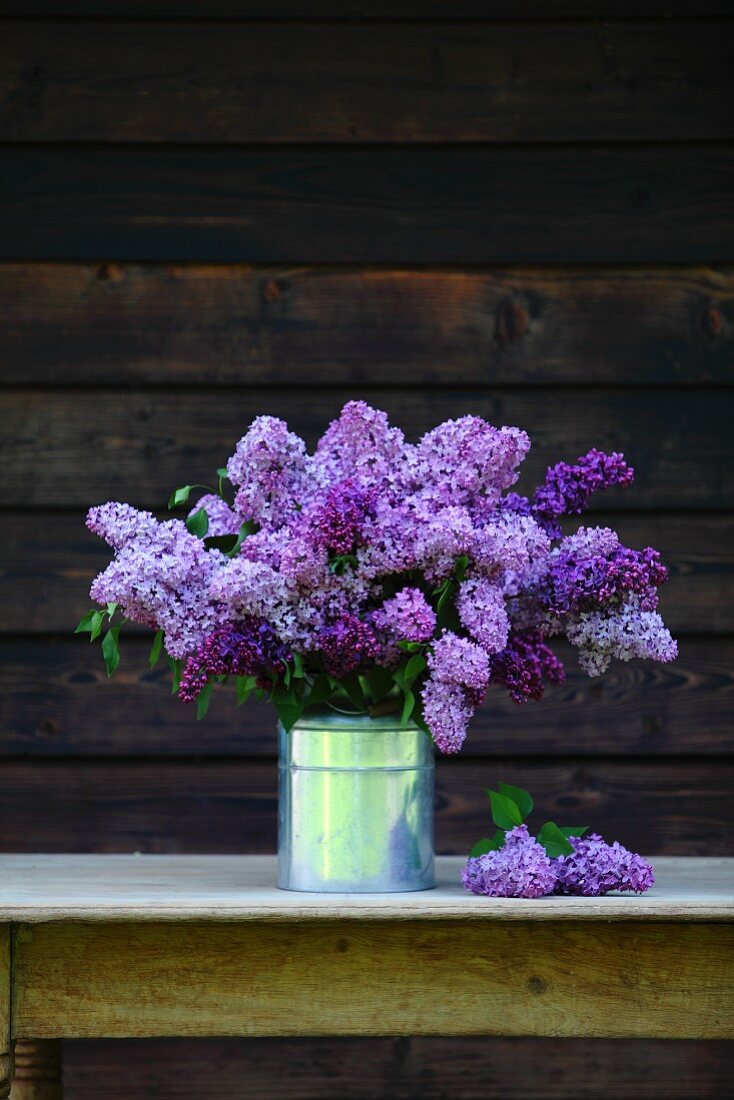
46	889
56	700
73	449
210	82
6	1051
49	560
445	978
545	204
361	10
403	1069
110	324
668	807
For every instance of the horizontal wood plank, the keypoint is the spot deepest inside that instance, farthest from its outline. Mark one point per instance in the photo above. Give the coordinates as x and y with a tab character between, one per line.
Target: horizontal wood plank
432	1068
50	559
210	82
545	204
665	807
56	700
350	10
111	324
73	449
579	979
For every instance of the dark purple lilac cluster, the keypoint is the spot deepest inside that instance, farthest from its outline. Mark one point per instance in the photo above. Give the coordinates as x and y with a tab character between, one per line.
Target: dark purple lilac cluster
338	524
525	665
347	645
248	649
568	487
575	582
522	869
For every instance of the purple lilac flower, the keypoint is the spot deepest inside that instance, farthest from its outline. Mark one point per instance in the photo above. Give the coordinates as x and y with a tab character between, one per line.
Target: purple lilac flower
160	577
337	523
624	632
447	713
407	616
525	665
591	569
595	868
461	663
508	543
249	648
118	523
269	469
346	644
481	609
568	488
222	520
359	444
520	869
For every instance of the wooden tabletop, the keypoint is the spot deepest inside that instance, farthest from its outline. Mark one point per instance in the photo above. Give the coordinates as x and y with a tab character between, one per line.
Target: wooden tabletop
42	888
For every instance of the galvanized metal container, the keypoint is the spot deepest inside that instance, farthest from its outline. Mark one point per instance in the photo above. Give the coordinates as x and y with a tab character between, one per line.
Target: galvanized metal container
355	806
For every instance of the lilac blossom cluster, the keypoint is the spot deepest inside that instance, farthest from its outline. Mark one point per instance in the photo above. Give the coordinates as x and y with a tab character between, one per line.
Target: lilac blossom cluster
375	572
522	869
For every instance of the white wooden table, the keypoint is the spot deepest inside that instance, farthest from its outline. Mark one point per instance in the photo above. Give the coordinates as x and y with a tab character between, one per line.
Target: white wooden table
117	946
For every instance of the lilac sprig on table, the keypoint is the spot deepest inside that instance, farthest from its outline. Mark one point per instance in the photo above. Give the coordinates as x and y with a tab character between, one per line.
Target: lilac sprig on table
376	575
561	860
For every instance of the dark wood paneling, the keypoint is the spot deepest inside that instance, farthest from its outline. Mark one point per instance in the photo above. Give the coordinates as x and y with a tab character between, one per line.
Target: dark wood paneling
113	323
673	807
76	448
401	1069
49	560
56	700
548	204
351	10
212	82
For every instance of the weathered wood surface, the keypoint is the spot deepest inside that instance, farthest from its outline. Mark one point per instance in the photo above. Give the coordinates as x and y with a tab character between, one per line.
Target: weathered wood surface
40	889
56	700
49	560
110	323
88	446
352	10
519	204
403	1069
229	806
6	1053
211	82
600	978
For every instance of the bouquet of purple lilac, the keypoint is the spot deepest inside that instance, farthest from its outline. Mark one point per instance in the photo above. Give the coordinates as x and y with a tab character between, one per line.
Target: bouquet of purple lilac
378	576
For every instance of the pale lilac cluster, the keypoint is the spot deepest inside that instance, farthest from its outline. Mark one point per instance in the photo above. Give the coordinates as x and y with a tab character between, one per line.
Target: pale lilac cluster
522	869
596	868
371	545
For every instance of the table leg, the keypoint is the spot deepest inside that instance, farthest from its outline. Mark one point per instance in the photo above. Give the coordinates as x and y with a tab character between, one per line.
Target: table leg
37	1070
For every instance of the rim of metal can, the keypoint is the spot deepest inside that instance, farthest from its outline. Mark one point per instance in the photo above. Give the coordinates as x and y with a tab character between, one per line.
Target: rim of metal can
333	741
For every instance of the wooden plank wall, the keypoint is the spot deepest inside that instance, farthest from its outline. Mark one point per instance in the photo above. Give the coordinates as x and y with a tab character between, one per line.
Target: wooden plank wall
211	209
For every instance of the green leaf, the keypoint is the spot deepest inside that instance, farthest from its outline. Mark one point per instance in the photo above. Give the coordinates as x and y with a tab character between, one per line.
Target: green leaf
244	686
319	691
297	666
97	623
84	626
410	647
505	812
288	705
408	707
415	666
351	685
573	830
225	543
249	527
175	666
461	567
155	649
180	496
380	683
112	608
203	700
553	840
520	797
198	523
111	649
489	844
